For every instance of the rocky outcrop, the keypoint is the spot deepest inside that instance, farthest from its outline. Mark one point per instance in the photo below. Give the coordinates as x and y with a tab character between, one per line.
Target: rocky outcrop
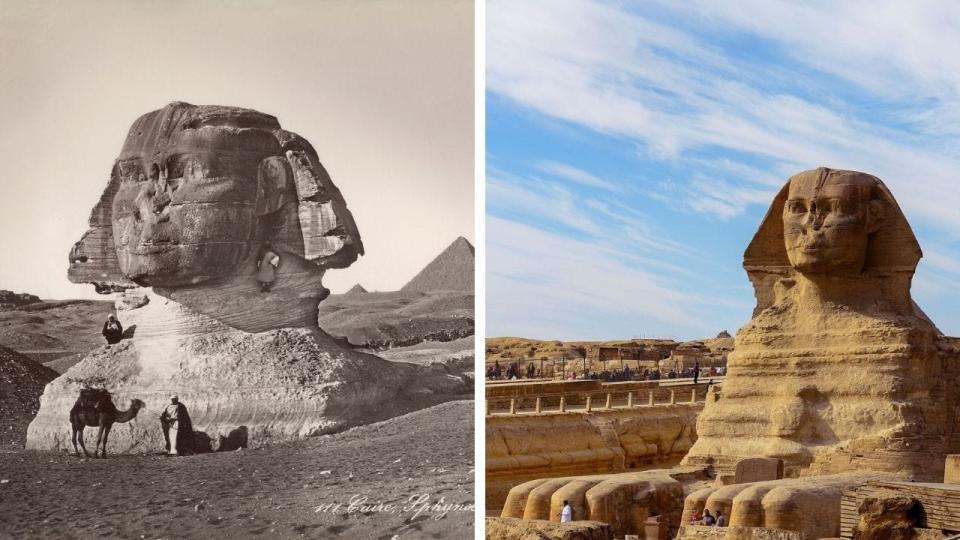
12	300
452	270
891	516
21	382
500	528
385	320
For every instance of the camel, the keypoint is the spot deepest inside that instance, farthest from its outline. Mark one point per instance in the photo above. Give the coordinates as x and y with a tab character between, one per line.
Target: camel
95	408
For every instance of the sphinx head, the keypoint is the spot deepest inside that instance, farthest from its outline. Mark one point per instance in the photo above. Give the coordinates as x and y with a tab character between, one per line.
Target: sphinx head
197	189
828	218
827	223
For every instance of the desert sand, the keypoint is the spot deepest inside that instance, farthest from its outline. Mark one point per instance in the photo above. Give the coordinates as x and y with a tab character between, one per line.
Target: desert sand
273	491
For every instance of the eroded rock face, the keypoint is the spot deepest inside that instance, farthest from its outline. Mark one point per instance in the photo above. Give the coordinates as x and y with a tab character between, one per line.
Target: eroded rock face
241	388
838	370
196	193
890	517
524	529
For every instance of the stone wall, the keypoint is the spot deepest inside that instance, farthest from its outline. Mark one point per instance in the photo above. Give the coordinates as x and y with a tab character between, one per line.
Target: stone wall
527	447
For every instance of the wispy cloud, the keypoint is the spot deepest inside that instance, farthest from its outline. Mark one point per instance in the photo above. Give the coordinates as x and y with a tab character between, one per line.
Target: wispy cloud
569	172
672	91
575	289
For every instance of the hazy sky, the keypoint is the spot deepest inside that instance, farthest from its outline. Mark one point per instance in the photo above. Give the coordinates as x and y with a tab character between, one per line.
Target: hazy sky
633	148
383	90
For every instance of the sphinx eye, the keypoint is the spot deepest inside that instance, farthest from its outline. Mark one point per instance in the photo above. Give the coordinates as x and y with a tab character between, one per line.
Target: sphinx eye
796	206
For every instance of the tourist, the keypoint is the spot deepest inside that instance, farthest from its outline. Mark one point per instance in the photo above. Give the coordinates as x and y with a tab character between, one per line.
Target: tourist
708	519
267	264
175	421
721	519
566	514
696	372
112	330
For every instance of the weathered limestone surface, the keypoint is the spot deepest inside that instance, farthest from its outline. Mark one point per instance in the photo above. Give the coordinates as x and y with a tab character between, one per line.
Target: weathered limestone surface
193	196
890	516
839	373
524	529
838	370
193	199
241	388
757	470
526	447
951	469
693	532
625	500
784	504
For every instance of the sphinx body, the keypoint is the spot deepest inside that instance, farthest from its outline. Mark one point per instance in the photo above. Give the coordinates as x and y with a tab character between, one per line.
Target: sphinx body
838	370
196	196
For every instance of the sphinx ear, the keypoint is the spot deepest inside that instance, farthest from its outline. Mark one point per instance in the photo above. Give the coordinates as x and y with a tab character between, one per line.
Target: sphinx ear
874	216
274	185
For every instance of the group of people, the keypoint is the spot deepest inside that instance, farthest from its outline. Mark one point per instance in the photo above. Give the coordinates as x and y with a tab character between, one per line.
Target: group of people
709	519
706	518
514	372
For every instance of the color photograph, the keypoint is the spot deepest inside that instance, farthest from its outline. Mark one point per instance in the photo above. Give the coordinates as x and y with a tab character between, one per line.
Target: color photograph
721	265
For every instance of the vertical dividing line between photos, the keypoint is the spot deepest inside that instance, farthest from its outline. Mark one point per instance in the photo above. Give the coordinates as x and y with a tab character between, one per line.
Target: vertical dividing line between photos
480	261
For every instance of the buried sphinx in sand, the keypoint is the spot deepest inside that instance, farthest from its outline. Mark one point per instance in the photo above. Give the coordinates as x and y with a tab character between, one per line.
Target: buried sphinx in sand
194	197
839	378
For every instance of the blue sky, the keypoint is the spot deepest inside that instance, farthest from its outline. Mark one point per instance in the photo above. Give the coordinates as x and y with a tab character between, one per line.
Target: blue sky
633	148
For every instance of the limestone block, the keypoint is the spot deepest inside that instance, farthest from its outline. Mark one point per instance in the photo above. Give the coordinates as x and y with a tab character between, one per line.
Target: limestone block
890	516
695	532
521	529
758	470
951	471
725	479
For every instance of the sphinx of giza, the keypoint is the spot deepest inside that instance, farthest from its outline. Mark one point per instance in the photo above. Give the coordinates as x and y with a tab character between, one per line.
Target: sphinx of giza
195	196
838	379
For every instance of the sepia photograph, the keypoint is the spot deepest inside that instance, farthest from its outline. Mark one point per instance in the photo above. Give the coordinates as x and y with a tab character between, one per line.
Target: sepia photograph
238	289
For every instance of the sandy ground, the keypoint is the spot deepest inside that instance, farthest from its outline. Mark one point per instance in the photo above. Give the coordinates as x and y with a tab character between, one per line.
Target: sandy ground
293	490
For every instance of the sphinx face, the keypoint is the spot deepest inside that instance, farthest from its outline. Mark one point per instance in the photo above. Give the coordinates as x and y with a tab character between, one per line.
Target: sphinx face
827	224
187	213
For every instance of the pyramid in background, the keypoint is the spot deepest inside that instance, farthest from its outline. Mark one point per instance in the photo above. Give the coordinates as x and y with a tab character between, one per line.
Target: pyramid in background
452	270
358	288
